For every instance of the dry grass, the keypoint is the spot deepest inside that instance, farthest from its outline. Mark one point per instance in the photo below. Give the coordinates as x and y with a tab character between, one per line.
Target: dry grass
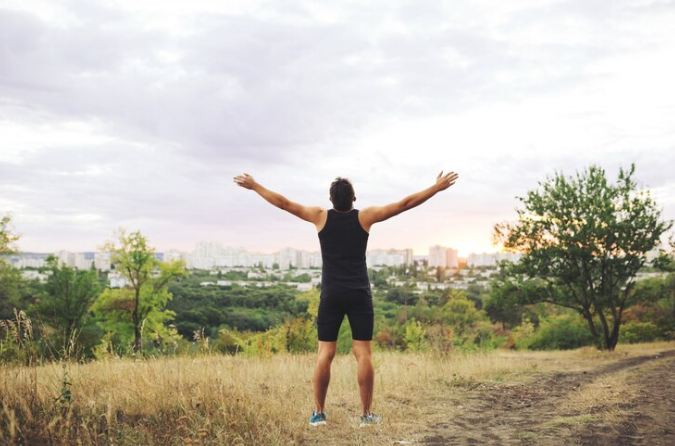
226	399
602	398
606	398
238	400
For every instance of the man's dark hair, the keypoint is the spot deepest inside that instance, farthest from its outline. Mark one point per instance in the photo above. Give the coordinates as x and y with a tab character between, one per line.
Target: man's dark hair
342	194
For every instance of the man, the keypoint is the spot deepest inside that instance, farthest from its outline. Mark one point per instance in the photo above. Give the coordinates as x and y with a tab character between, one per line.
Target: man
345	289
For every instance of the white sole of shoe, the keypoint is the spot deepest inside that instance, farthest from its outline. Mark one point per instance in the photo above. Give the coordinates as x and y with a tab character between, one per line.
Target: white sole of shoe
318	423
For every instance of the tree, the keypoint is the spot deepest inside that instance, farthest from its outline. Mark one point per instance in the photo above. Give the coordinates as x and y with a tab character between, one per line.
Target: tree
10	278
148	281
69	296
7	239
503	304
583	240
666	262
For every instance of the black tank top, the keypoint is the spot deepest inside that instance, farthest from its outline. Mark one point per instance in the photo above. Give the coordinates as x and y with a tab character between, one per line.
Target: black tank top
343	250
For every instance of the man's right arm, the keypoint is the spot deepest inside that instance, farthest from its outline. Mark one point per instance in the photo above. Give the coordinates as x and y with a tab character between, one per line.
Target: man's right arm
312	214
376	214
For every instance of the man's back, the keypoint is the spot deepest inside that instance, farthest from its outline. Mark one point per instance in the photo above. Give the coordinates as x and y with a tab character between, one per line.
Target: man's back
343	251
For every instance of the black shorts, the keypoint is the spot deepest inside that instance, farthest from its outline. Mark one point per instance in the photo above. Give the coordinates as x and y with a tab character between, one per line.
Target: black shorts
357	305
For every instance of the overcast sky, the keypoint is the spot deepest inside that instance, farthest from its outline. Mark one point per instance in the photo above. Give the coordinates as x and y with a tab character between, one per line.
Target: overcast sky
137	114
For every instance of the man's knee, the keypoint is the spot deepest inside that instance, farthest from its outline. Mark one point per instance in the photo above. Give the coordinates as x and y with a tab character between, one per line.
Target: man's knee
362	350
327	351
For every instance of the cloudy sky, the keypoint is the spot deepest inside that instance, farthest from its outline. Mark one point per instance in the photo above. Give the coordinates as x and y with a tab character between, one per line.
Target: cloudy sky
138	114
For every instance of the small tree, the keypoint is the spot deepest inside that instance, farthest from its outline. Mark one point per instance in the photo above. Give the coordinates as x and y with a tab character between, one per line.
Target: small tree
7	239
69	295
10	278
583	240
148	281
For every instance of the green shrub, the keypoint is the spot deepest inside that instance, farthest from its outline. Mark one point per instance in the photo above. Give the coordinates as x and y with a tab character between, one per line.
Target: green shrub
633	332
561	333
415	336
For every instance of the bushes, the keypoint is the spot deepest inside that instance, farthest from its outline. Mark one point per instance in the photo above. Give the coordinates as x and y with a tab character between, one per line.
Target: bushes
562	332
634	332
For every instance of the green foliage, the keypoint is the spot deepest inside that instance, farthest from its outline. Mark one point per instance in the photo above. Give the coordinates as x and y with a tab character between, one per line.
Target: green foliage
12	290
235	275
66	396
401	296
583	241
344	341
295	335
462	314
229	341
65	305
562	332
11	282
266	343
414	337
148	279
521	335
113	309
240	308
301	335
656	305
634	332
504	304
302	278
7	238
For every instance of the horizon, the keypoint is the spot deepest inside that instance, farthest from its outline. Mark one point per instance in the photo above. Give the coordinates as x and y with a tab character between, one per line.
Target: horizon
460	255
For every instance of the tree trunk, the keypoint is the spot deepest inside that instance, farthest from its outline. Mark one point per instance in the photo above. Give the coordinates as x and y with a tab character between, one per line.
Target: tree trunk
605	331
138	344
614	336
591	325
138	341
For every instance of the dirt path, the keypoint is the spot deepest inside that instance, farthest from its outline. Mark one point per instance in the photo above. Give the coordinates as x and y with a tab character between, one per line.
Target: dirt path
537	414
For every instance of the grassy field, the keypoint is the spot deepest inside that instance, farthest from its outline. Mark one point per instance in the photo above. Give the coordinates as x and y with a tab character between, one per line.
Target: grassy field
215	400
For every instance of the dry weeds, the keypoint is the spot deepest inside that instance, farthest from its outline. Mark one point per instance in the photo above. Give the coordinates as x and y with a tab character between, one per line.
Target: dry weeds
213	400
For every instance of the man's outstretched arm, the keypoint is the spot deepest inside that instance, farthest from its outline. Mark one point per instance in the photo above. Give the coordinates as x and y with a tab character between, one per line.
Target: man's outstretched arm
311	214
375	214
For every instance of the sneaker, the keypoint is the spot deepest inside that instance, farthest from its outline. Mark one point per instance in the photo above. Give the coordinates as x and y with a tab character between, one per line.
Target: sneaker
367	420
317	419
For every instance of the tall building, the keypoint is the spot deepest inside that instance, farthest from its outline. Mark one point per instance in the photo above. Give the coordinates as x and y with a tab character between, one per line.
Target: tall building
29	262
102	261
389	257
288	257
314	260
451	259
440	256
73	259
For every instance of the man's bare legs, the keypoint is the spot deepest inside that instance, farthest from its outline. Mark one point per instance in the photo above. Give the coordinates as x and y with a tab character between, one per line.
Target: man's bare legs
322	373
366	373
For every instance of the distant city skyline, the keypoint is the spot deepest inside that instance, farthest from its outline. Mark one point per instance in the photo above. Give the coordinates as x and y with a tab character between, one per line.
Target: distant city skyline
421	253
213	255
416	253
138	114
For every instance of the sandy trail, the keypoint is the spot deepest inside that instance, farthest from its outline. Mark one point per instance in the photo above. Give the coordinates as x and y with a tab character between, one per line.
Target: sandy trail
535	413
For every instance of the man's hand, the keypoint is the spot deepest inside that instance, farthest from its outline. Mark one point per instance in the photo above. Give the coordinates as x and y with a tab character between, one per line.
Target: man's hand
445	181
246	181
